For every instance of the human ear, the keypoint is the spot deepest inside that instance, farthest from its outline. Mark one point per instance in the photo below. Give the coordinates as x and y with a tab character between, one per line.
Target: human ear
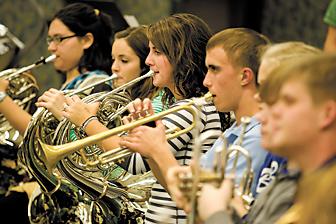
87	40
246	77
328	114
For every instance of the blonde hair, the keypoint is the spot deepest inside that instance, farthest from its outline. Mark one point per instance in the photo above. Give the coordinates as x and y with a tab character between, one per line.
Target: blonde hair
316	72
280	55
289	50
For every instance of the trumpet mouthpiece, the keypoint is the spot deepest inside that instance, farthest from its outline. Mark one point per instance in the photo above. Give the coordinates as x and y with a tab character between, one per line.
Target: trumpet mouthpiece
208	97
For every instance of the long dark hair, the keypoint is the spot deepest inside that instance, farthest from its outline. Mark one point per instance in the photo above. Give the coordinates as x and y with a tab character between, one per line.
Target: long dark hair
82	19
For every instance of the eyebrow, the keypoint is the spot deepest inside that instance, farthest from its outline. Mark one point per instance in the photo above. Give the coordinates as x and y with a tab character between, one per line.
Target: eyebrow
212	66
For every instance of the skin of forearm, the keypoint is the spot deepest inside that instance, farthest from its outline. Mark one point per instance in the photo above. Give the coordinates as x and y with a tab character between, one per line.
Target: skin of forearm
16	116
95	127
161	161
157	172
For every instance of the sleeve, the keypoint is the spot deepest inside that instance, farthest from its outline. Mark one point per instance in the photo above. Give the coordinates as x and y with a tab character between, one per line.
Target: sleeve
136	164
330	15
180	119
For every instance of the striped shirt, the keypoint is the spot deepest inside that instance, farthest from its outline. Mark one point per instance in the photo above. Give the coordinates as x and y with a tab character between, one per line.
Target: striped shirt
161	208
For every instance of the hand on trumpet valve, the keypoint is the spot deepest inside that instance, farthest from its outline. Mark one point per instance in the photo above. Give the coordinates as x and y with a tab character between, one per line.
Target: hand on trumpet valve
138	109
140	139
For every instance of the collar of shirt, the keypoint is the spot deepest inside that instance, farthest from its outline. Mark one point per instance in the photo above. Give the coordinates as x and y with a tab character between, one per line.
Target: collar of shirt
236	130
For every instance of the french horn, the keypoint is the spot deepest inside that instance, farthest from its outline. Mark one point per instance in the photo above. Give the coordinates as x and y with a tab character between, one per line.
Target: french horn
103	192
23	89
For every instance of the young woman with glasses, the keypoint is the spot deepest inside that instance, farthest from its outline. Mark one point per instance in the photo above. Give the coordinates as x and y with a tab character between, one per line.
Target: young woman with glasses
81	38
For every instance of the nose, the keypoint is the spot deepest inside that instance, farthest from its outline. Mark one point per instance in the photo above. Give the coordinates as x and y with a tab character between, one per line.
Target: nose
149	60
206	81
115	67
52	46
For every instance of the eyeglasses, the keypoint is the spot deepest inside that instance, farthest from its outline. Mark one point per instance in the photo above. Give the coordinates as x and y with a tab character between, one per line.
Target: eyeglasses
58	39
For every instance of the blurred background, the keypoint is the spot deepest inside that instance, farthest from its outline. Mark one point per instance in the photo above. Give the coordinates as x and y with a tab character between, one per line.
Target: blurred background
280	20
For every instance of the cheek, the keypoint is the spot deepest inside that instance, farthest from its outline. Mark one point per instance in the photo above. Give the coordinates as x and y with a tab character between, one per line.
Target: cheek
61	64
130	76
163	76
71	60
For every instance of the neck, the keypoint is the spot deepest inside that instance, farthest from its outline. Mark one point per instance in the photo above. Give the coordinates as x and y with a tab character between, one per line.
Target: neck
176	94
247	106
292	165
70	75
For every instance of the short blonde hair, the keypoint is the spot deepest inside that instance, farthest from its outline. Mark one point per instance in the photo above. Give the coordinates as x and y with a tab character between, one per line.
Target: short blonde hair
317	73
282	54
289	50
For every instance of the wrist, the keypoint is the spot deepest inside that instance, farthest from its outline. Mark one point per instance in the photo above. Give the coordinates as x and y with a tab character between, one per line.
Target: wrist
87	121
161	152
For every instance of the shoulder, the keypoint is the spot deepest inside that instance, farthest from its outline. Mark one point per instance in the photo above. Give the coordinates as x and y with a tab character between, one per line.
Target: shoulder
330	15
93	77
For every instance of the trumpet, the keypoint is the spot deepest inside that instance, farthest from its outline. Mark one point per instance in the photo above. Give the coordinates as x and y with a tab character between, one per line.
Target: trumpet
190	183
51	155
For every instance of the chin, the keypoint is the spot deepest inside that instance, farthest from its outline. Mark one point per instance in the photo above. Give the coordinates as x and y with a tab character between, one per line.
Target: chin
156	84
277	148
57	67
220	108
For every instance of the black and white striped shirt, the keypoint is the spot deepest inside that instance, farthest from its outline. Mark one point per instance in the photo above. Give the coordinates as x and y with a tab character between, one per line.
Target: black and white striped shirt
161	208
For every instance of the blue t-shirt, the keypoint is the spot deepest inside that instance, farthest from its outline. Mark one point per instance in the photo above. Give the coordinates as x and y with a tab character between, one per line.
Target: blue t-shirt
251	142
